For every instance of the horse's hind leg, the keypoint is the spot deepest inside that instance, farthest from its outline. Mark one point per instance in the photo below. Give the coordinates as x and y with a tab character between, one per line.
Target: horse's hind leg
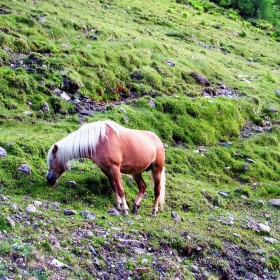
142	188
156	177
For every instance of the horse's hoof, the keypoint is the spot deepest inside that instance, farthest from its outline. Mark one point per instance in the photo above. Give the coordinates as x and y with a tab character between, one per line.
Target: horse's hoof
125	213
135	209
154	213
118	208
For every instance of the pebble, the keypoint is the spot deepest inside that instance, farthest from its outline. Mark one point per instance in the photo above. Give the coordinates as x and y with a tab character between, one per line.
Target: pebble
270	240
3	198
274	202
69	212
11	222
31	209
88	215
3	152
113	212
92	251
175	216
38	203
224	193
56	263
54	205
25	168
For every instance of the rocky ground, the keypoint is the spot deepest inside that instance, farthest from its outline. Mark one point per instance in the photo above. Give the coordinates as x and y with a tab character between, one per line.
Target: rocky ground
60	243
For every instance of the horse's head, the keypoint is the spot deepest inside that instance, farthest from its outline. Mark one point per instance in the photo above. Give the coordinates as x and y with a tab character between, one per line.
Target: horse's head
55	167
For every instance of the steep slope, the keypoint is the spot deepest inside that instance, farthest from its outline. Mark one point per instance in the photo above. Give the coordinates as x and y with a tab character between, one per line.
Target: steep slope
203	79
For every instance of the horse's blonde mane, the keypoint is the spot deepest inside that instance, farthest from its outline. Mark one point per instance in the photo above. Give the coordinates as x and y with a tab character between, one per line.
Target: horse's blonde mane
80	143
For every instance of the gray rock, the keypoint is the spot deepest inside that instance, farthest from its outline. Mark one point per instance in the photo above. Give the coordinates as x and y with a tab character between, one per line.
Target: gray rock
56	263
175	216
274	202
270	240
71	183
92	251
3	152
11	222
25	168
113	212
31	209
69	212
54	205
27	113
151	103
246	166
224	193
3	198
45	107
88	215
38	203
227	144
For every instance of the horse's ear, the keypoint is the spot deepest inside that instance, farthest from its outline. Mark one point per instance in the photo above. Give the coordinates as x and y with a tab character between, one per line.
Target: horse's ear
55	148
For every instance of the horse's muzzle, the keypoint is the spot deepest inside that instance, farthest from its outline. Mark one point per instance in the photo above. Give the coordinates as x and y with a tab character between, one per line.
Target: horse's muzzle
51	178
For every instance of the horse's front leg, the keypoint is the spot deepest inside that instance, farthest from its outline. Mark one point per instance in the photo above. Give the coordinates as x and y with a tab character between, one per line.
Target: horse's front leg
114	176
142	188
118	201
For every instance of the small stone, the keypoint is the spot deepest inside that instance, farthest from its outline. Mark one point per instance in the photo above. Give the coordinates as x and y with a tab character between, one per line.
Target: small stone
38	203
3	198
261	252
227	144
195	268
31	209
144	261
250	160
237	235
3	152
113	212
56	263
175	216
170	63
25	168
27	113
270	240
274	202
11	222
45	107
69	212
224	193
88	215
71	183
151	103
261	202
273	109
55	205
264	228
92	251
245	166
65	96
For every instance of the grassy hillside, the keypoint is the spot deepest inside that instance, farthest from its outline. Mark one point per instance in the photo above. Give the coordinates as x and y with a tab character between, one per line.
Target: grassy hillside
201	78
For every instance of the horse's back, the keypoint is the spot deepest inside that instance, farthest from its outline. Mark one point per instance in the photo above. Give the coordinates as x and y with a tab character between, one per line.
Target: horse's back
133	150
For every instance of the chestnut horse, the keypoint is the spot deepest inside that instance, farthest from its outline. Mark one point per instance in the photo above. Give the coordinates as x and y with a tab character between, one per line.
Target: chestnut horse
115	150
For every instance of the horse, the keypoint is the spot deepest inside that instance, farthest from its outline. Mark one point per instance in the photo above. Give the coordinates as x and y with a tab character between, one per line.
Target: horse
115	150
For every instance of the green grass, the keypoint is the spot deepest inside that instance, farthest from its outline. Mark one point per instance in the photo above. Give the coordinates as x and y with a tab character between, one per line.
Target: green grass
115	49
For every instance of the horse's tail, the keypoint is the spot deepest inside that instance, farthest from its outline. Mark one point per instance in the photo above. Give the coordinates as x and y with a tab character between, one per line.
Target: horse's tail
162	189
